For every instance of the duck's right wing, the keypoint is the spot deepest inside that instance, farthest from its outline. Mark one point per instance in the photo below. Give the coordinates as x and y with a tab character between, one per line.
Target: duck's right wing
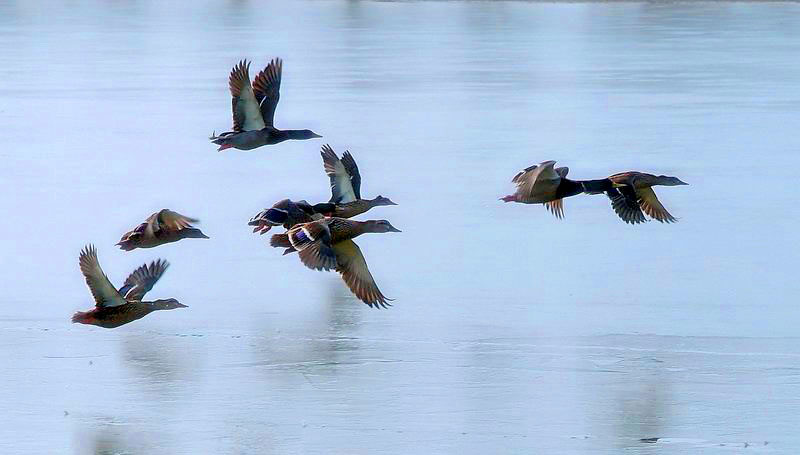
105	294
168	220
142	280
246	112
266	87
342	190
652	206
355	274
352	169
556	208
626	205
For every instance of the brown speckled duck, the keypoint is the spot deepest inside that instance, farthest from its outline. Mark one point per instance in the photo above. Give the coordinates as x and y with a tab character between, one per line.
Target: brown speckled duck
113	307
327	244
548	185
254	109
164	226
346	185
288	213
633	194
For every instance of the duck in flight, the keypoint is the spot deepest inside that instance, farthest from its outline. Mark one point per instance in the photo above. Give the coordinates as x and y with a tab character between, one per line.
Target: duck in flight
254	109
113	307
327	244
633	194
548	185
346	185
164	226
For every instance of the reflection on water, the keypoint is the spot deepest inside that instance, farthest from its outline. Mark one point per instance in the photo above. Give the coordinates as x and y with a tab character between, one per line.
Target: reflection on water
510	330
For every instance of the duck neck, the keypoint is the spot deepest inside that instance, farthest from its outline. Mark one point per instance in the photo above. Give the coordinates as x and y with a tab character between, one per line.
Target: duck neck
568	188
596	186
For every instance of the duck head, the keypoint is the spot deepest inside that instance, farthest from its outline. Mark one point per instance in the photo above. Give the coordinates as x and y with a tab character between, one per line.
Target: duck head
667	180
381	226
167	304
301	134
380	200
130	240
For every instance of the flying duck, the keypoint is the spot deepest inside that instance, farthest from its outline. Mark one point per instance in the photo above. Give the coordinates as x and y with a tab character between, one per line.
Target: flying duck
327	244
164	226
633	194
346	185
548	185
113	307
254	108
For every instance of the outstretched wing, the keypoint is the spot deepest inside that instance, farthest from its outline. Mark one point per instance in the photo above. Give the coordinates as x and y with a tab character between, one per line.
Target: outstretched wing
355	273
266	88
625	204
342	190
652	206
246	114
142	280
352	169
105	294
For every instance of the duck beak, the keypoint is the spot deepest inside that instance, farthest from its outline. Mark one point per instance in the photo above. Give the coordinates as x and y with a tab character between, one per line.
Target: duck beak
223	147
315	135
394	229
683	183
180	305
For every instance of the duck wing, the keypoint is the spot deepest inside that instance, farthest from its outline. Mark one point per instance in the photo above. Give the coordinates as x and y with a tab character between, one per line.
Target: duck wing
531	180
355	273
556	207
142	280
626	205
652	206
312	241
342	190
352	170
266	88
105	294
166	219
246	114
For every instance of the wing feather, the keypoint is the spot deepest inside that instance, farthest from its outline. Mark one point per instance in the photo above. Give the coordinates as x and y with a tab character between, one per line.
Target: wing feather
266	88
652	206
141	280
342	190
246	113
355	273
351	167
105	294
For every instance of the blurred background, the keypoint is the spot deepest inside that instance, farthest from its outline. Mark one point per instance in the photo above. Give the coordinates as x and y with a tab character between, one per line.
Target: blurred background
511	330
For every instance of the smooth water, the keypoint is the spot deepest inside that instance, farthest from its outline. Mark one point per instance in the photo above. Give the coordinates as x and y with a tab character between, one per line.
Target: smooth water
512	331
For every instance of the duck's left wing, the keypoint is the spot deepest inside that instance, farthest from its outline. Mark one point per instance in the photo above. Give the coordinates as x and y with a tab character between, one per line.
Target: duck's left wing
142	280
105	294
266	87
652	206
246	114
355	274
342	190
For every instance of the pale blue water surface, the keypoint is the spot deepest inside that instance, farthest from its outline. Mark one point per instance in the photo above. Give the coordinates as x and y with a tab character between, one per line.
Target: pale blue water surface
512	331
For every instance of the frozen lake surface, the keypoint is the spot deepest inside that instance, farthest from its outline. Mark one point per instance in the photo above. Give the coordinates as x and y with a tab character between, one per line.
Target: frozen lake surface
512	331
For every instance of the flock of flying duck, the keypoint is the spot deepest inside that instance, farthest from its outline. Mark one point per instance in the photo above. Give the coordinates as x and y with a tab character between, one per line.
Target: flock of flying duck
322	234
